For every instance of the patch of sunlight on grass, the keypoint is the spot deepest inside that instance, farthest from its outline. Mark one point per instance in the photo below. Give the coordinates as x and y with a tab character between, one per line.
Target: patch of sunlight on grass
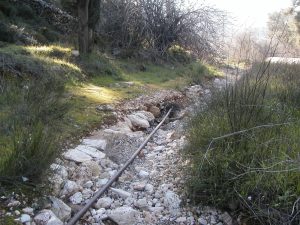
48	49
96	94
64	63
53	54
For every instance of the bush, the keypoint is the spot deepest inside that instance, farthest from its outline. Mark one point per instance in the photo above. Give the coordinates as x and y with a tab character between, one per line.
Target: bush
26	12
6	34
198	72
244	150
178	54
50	35
31	110
8	9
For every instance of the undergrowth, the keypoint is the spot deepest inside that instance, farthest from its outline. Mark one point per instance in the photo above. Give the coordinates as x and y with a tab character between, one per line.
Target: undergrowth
244	147
49	98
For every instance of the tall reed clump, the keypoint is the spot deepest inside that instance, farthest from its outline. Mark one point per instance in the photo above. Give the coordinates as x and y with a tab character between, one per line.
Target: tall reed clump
30	113
244	147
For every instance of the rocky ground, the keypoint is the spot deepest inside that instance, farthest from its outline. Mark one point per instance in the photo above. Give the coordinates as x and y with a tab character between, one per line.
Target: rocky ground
150	191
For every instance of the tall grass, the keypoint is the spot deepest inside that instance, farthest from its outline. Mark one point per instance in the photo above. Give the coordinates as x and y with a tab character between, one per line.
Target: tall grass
244	148
30	111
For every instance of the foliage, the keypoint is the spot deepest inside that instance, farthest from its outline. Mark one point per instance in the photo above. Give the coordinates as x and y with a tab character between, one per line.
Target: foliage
157	25
31	110
244	148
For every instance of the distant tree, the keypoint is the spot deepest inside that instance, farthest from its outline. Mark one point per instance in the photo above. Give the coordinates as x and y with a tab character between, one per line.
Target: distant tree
296	11
158	25
88	16
283	29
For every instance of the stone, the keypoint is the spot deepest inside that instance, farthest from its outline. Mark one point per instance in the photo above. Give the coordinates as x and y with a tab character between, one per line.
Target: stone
56	182
70	188
213	220
87	193
143	174
17	212
122	127
99	144
75	53
25	218
172	201
60	170
124	215
129	201
138	121
145	115
88	184
149	188
76	156
47	217
60	209
156	209
13	203
141	204
93	167
105	108
202	221
226	218
123	194
104	203
128	122
92	152
101	182
139	186
28	210
181	219
76	198
154	110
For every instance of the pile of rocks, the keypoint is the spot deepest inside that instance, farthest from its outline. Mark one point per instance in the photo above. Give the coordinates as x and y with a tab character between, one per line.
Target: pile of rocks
150	191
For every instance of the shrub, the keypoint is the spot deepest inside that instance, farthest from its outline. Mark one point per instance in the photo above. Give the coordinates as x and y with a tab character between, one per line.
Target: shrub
244	150
26	12
8	9
178	54
197	72
50	35
32	109
6	34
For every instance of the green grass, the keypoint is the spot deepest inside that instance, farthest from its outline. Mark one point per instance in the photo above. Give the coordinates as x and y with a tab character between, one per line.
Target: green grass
236	162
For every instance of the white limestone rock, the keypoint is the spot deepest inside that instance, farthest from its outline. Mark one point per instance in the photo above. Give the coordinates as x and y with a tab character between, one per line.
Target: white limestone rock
138	121
77	156
47	217
70	188
25	218
124	216
92	152
95	143
172	201
77	198
60	209
104	203
123	194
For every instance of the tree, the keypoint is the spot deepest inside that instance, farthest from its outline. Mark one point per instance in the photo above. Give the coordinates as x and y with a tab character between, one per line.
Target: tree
88	16
283	29
158	25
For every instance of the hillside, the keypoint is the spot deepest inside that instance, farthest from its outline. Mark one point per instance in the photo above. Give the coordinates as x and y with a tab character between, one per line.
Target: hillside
82	85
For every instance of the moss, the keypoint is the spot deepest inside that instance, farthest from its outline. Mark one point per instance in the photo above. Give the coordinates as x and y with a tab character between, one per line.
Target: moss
8	221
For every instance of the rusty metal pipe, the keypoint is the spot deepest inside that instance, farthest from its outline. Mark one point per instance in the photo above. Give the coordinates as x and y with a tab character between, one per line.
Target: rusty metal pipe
78	215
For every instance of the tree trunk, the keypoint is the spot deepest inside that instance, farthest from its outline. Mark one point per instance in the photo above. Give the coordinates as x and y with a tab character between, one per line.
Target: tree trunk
83	32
